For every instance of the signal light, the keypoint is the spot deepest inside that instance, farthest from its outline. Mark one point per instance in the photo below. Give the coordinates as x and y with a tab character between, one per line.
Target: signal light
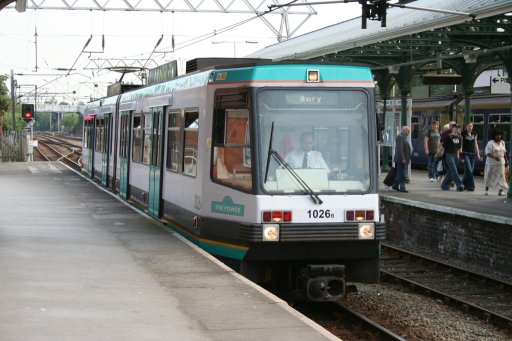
277	216
267	216
359	215
27	112
287	216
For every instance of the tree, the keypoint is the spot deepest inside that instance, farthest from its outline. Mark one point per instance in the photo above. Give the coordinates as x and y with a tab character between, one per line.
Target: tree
4	95
42	122
4	100
70	121
5	108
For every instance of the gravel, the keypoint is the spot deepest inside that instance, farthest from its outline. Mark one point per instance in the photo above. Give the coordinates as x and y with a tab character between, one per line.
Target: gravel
416	317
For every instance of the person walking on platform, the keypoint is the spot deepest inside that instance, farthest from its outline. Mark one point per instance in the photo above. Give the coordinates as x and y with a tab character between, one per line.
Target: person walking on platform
470	153
402	158
495	164
452	145
447	130
431	142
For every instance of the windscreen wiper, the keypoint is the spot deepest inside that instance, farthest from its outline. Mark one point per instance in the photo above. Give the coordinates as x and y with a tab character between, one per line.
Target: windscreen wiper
269	152
316	199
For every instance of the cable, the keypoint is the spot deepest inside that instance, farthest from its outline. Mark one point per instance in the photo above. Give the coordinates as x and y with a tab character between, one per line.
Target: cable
222	30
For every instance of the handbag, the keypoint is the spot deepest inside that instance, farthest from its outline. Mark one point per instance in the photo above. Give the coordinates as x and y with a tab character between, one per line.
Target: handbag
440	167
507	173
439	153
390	177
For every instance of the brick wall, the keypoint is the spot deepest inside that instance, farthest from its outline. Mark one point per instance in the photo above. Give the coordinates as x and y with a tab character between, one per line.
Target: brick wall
471	240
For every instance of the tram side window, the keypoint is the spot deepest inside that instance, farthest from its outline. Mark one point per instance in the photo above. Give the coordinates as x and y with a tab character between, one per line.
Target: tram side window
90	135
231	152
500	122
174	142
415	127
86	135
137	138
191	136
124	134
146	152
99	134
478	126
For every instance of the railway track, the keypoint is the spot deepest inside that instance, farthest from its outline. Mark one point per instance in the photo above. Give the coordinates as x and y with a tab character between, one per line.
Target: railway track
346	323
485	297
51	148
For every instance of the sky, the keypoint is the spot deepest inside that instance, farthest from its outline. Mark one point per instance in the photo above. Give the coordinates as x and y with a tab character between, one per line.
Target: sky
61	36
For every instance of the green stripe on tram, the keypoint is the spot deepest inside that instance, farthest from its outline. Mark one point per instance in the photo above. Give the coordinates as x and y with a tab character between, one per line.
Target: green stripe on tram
292	73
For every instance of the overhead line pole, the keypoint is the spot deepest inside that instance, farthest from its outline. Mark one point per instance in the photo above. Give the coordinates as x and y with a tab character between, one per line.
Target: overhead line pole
13	102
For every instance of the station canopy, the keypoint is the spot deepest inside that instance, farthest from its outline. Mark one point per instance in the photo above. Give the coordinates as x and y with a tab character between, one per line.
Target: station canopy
450	31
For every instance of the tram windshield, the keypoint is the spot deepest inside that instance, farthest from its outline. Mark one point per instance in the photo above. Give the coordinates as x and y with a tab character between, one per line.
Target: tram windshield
321	134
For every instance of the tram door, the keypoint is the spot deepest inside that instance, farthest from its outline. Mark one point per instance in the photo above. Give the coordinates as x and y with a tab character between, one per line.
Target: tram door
89	140
155	163
124	153
105	148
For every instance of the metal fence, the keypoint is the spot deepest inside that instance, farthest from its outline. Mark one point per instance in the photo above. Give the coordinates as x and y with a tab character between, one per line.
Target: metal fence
11	146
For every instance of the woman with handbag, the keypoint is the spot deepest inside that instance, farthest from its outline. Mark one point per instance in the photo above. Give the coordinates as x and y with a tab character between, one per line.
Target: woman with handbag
495	164
470	153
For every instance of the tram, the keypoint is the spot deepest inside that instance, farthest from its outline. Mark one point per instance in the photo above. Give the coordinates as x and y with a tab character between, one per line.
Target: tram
207	153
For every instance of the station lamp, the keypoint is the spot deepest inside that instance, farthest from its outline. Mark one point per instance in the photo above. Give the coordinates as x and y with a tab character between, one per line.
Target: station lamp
27	112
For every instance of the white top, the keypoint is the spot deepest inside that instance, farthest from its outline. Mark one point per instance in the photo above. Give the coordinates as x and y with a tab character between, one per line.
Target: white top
314	159
497	150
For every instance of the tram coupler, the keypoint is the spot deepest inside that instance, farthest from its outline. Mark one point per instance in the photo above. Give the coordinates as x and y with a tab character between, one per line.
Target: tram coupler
324	282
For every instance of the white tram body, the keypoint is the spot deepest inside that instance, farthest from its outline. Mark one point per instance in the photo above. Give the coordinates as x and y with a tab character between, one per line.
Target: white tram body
211	155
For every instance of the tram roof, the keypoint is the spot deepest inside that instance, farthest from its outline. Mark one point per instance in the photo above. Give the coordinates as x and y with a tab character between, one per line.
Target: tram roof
410	34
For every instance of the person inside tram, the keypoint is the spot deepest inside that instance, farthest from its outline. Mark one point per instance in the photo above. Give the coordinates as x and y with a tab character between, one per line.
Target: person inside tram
306	156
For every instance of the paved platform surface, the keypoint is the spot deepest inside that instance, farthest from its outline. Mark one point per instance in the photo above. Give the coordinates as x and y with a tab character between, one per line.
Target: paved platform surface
425	194
78	264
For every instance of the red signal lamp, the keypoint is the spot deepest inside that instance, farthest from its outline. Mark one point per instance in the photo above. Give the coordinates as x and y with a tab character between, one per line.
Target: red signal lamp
27	112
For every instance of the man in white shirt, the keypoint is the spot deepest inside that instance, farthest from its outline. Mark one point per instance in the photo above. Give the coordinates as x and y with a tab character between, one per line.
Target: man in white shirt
306	157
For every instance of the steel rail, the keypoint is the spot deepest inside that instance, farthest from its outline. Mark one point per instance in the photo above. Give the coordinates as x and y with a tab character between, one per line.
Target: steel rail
466	305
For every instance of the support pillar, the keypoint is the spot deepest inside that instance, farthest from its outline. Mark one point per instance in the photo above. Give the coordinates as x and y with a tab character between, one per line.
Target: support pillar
385	83
467	104
509	193
508	66
469	74
405	94
404	79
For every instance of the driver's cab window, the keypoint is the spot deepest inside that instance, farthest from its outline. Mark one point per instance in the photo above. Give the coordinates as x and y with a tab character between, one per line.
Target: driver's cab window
323	147
231	151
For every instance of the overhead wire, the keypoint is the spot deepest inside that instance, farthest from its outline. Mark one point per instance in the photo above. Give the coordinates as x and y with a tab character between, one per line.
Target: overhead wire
173	45
222	30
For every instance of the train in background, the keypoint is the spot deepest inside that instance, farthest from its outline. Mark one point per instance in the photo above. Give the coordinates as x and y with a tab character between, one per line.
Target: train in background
206	153
489	112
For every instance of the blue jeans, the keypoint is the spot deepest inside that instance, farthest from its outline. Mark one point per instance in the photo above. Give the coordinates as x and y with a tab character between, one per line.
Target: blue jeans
451	162
400	175
469	166
432	174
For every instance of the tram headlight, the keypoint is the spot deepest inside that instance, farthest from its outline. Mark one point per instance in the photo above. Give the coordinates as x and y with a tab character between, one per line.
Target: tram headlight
313	76
366	231
270	233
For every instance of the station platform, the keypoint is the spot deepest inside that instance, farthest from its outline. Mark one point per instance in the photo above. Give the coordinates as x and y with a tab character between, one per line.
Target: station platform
79	264
425	194
469	229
